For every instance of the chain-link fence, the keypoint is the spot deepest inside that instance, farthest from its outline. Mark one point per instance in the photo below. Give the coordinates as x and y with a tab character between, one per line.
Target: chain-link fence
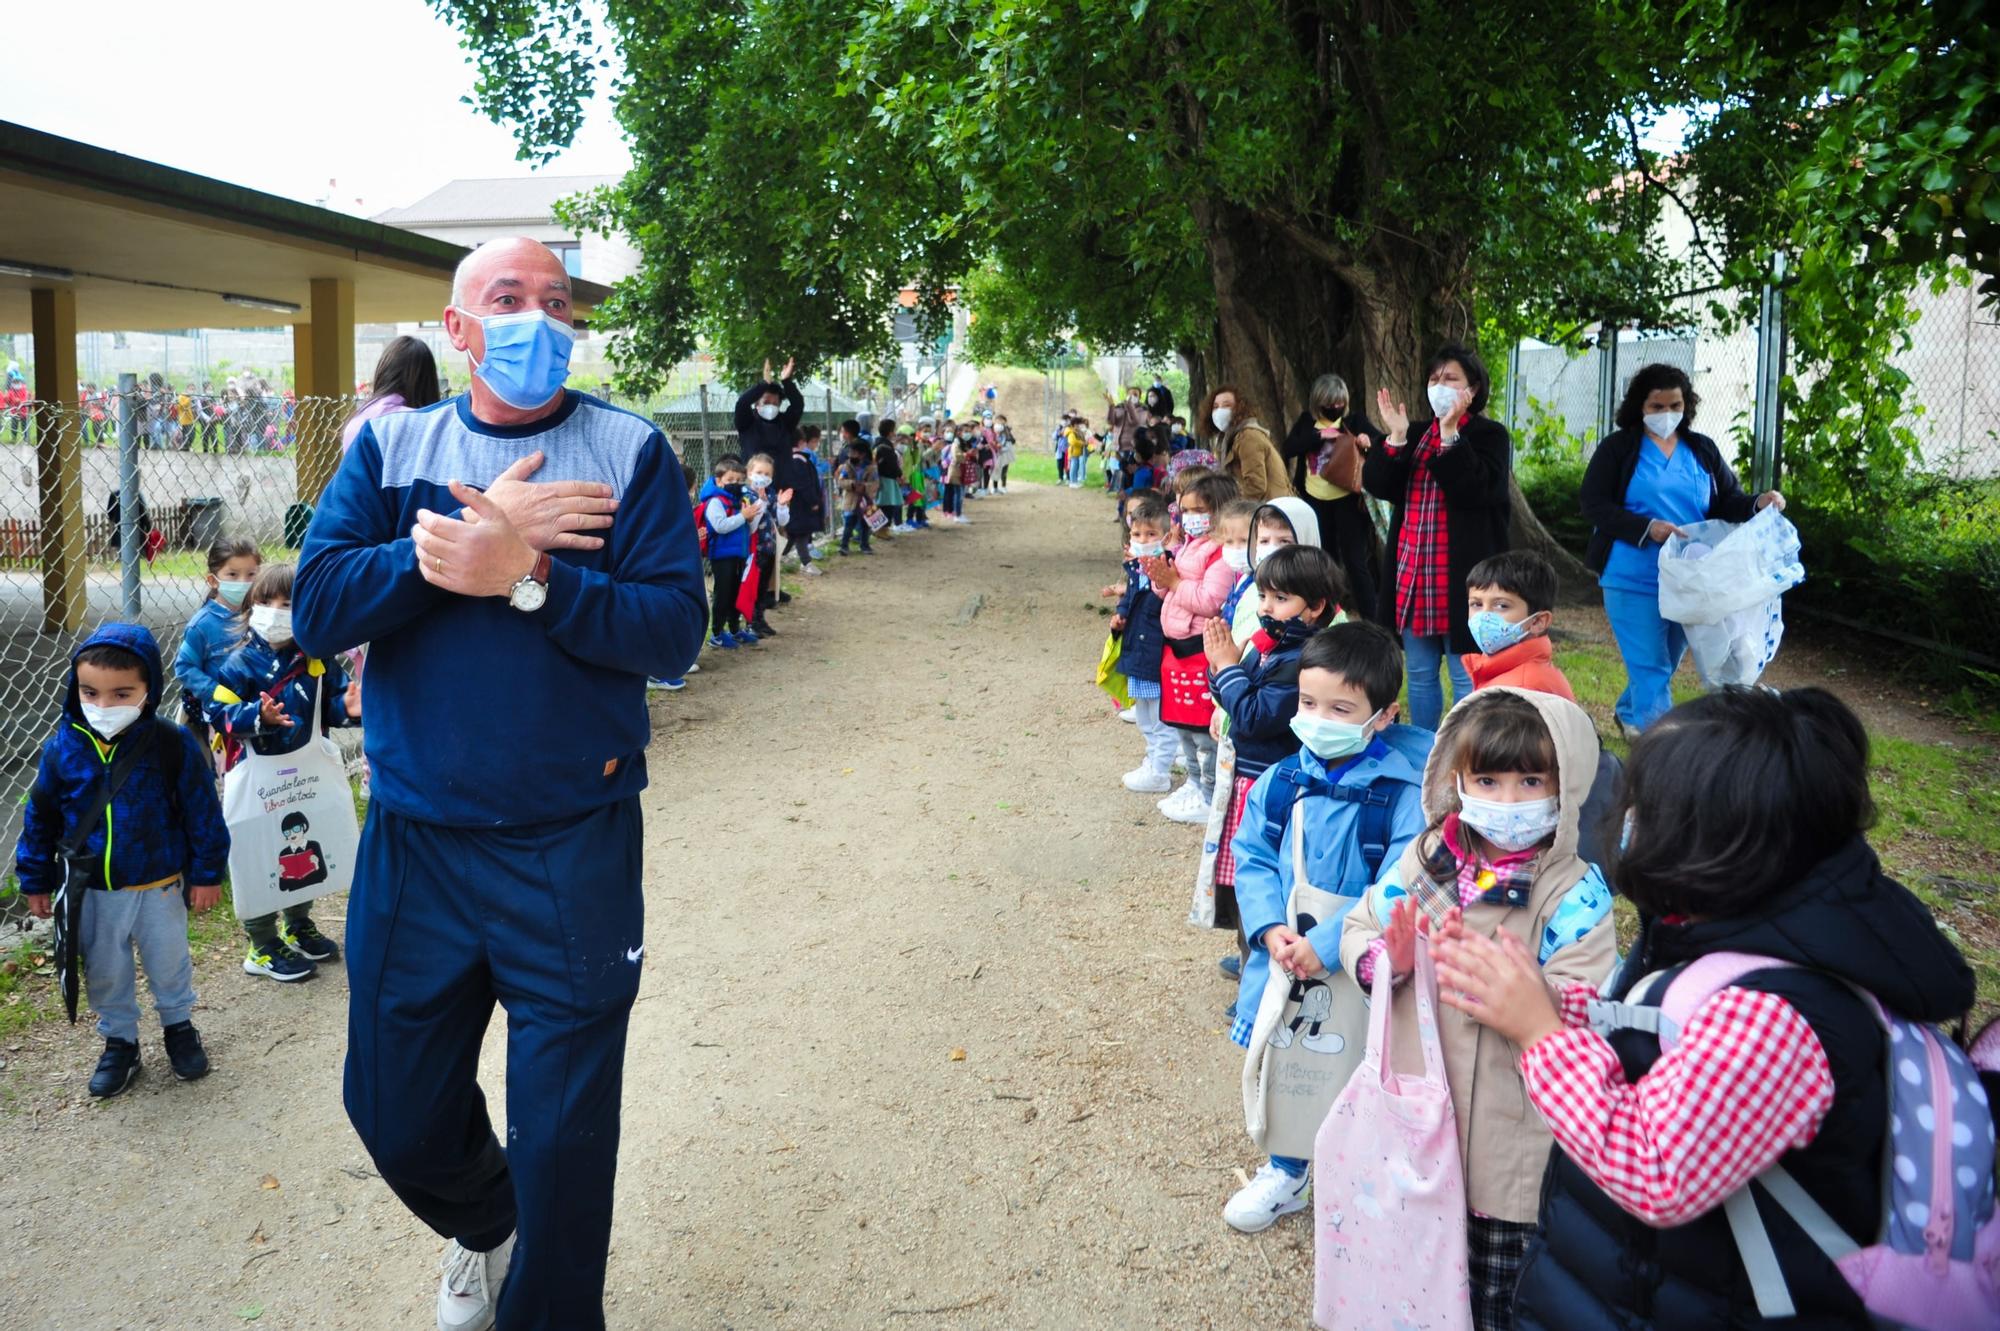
1916	547
1952	360
107	508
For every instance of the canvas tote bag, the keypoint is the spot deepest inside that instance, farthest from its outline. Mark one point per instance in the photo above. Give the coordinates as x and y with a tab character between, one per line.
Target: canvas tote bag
292	830
1309	1034
1389	1189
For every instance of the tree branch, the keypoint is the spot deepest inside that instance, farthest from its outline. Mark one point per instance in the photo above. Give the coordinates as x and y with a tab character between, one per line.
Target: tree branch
1694	222
1335	256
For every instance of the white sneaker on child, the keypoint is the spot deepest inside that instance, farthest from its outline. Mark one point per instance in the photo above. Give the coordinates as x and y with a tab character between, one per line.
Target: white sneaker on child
1193	809
1270	1194
470	1290
1178	800
1146	781
1129	714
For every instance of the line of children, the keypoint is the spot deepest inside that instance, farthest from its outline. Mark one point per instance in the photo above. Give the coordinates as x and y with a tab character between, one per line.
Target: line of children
1494	856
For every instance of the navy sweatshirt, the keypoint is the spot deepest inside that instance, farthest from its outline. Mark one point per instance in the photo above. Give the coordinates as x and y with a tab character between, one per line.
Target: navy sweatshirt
480	715
1139	651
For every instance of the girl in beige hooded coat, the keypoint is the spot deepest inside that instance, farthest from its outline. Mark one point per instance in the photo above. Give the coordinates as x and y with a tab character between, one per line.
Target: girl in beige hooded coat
1502	793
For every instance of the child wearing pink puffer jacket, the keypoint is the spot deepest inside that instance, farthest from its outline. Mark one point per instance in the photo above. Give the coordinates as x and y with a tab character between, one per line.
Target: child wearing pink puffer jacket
1192	586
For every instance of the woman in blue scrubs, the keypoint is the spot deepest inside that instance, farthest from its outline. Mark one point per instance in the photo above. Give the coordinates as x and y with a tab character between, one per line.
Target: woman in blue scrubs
1648	480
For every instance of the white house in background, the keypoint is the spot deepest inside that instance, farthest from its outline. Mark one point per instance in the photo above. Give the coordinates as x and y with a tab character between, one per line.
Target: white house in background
472	212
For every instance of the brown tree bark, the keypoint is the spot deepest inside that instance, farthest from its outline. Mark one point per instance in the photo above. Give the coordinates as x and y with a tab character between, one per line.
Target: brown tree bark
1281	318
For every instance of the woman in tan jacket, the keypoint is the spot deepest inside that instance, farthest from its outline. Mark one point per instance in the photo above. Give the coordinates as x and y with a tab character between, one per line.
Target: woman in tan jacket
1244	447
1503	791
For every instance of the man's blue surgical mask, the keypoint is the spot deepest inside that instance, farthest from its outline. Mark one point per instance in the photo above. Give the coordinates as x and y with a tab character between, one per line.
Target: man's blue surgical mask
527	356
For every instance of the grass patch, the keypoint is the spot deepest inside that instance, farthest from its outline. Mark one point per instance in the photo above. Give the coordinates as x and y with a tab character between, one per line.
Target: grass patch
27	987
1038	467
194	563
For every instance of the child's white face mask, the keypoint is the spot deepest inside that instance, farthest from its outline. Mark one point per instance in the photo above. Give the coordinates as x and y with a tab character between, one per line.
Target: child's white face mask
111	722
272	623
1510	827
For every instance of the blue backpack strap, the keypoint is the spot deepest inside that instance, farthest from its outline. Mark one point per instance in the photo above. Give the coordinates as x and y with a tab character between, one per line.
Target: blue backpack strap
1290	773
1374	824
1377	812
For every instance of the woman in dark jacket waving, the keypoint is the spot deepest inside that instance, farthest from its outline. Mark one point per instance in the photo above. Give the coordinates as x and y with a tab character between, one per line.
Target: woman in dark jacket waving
1647	478
1447	481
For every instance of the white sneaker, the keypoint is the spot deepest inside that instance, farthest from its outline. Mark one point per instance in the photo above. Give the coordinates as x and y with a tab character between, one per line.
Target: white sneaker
694	669
1272	1193
1191	810
812	571
1129	714
470	1290
1146	781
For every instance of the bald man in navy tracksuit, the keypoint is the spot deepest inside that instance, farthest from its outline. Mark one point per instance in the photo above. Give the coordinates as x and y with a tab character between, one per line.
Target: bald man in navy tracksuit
506	733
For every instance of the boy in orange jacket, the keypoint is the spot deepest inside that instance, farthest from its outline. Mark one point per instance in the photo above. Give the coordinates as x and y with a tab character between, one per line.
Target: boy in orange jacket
1510	605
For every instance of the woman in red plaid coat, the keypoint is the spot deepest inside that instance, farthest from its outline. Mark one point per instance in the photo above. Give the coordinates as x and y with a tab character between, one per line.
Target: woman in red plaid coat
1446	478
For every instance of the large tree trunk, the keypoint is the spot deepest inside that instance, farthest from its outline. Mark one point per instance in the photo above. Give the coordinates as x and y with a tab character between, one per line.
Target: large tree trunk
1281	318
1403	314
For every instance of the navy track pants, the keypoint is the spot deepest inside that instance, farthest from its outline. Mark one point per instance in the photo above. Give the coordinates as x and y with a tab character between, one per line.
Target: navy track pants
548	921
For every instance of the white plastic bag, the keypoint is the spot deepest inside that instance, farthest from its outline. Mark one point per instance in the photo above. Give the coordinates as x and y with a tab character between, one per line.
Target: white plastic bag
292	831
1723	582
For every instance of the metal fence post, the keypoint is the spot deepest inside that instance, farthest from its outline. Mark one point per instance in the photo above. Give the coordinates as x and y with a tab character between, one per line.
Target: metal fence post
828	427
1514	387
1767	424
130	539
1607	378
701	393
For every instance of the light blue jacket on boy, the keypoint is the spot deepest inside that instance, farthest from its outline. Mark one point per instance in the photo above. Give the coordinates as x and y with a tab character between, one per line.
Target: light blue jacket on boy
1333	855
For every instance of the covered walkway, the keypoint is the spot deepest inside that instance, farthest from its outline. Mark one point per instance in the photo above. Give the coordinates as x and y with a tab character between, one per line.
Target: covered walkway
98	241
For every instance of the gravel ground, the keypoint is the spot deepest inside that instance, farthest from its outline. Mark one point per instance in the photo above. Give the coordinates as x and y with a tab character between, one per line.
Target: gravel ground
923	1039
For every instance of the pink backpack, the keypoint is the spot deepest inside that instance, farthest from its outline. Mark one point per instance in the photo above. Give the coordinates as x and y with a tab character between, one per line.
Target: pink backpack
1935	1265
1389	1188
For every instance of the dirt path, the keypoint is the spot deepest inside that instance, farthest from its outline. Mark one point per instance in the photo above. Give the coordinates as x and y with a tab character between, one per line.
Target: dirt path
939	859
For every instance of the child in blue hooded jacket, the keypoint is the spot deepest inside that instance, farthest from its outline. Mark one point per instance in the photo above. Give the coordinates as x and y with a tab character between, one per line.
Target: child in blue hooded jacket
161	849
1348	679
212	632
1256	688
264	699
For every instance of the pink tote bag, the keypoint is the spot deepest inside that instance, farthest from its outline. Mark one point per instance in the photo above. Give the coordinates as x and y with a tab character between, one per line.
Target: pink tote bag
1388	1187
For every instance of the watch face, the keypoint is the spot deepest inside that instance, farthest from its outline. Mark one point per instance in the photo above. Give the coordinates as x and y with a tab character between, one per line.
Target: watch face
528	595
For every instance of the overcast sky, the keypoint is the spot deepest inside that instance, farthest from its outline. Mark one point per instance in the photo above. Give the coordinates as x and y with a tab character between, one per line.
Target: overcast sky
281	96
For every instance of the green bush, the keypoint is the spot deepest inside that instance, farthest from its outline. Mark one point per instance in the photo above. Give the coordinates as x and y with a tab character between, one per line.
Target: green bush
1549	463
1552	491
1919	554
